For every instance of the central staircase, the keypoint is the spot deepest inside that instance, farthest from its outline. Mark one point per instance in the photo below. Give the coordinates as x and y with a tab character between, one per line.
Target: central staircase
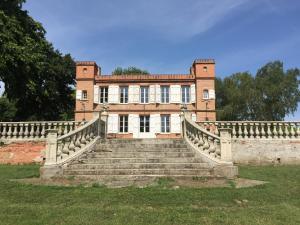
123	162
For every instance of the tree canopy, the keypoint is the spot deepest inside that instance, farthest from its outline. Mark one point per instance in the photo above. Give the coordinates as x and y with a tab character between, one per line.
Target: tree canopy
38	78
270	95
129	70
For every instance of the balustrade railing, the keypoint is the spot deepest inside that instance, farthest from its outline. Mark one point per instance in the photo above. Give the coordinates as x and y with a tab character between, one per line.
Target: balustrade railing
256	129
35	130
64	148
205	142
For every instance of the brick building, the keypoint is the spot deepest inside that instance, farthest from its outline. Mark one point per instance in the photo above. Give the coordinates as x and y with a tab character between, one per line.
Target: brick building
146	106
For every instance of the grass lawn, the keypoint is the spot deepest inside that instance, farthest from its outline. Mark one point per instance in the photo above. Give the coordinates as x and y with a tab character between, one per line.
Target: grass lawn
277	202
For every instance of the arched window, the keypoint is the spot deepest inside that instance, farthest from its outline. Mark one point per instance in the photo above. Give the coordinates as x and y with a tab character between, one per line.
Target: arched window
84	70
205	68
205	94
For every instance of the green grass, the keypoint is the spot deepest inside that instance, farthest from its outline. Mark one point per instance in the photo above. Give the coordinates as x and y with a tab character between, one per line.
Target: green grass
277	202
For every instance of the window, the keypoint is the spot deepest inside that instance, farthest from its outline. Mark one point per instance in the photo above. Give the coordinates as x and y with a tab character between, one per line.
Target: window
84	70
205	94
165	123
185	94
84	95
123	123
123	94
144	94
205	68
144	124
165	94
103	94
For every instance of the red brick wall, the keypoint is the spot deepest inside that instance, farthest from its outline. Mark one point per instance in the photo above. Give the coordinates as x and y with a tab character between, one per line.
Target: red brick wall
22	153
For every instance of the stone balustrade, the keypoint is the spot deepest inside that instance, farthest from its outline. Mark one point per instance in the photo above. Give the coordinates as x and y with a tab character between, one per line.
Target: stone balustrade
255	129
218	149
14	131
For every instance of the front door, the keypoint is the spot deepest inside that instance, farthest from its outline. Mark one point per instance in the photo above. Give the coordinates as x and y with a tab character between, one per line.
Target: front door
144	128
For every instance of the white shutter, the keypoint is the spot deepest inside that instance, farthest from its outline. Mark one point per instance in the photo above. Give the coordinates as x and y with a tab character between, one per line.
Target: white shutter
134	94
113	122
78	94
175	123
175	94
152	94
212	94
133	122
154	121
113	94
194	117
157	87
96	94
193	93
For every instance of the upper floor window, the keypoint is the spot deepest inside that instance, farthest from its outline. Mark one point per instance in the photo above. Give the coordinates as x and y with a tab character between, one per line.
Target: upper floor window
185	94
103	94
144	90
124	94
205	68
205	94
165	94
84	95
123	123
84	70
165	123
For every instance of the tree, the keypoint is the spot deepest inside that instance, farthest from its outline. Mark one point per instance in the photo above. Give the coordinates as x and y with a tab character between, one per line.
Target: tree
270	95
7	109
129	70
38	78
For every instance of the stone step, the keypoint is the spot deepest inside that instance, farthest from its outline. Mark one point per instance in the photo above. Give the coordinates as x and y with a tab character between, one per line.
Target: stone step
171	172
141	146
105	149
140	154
139	166
144	141
140	160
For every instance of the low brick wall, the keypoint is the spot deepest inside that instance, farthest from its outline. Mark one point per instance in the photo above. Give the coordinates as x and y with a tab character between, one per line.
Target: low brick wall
259	151
22	153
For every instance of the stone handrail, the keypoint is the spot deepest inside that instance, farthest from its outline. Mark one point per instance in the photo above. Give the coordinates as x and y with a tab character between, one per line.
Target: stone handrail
256	129
65	148
14	131
216	149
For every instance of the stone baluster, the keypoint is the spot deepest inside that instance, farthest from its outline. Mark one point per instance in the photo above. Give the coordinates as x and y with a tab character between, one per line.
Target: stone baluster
31	133
212	147
297	134
293	132
65	131
245	130
72	144
43	131
240	132
275	133
21	131
77	141
262	131
3	134
257	133
269	132
37	131
65	147
251	130
280	132
206	144
9	132
234	135
26	132
15	130
60	129
216	131
286	130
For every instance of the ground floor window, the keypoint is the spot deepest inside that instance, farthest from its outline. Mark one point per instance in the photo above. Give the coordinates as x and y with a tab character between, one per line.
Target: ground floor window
123	123
165	123
144	124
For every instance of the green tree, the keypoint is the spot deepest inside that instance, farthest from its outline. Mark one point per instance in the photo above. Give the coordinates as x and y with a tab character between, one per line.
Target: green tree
38	78
270	95
7	109
129	70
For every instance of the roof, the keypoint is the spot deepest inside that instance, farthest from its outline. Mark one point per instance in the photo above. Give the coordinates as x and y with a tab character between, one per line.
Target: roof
209	61
86	63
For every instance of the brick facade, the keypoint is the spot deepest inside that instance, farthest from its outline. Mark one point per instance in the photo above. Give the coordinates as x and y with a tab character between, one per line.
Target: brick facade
88	97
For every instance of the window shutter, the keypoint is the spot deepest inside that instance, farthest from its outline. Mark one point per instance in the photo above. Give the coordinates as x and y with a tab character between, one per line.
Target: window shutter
212	94
133	124
78	94
96	94
175	94
194	117
193	93
134	94
154	122
157	89
175	123
113	123
113	94
152	94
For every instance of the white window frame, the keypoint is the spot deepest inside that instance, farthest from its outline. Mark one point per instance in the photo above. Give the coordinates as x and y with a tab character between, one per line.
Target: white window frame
123	123
165	123
185	94
124	90
165	94
84	95
103	94
144	119
205	94
144	94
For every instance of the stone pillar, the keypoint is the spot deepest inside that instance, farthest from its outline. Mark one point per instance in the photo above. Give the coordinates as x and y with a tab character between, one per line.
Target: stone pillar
104	115
226	150
51	147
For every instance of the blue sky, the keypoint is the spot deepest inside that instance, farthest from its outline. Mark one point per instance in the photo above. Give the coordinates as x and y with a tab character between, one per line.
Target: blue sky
165	36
